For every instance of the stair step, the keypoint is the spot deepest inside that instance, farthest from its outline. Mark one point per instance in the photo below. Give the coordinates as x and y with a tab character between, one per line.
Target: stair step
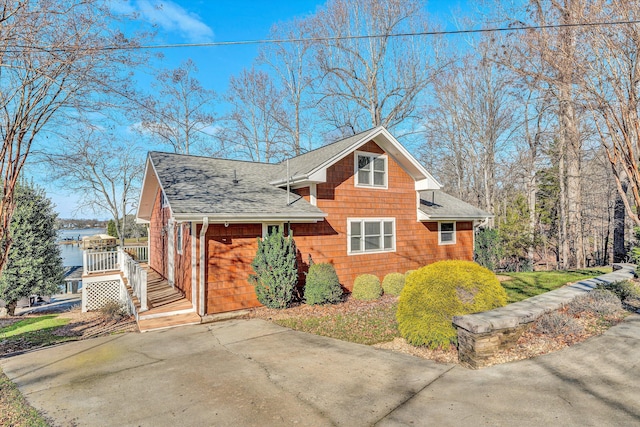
156	323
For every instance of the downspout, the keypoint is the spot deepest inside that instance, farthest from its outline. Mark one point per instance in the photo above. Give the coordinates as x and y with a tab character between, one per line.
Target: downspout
194	267
203	246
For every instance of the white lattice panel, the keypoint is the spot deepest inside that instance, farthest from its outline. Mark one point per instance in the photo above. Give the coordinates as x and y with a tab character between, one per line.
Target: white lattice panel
100	293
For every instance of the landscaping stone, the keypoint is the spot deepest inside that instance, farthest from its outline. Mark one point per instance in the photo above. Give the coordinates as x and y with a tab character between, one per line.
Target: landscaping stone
481	335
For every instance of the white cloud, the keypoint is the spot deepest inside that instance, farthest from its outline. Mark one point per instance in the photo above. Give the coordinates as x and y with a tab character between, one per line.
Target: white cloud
172	17
168	16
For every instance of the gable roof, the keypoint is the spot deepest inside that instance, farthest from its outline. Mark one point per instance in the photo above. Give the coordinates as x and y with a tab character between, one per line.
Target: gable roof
312	166
222	190
437	205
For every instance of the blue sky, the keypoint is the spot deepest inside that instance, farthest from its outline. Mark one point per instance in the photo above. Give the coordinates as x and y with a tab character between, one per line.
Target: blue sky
219	20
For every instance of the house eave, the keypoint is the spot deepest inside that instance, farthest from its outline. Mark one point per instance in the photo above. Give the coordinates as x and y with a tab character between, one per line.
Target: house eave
428	218
228	218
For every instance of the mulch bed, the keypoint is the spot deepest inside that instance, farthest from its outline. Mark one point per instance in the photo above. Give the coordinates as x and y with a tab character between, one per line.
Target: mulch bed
530	344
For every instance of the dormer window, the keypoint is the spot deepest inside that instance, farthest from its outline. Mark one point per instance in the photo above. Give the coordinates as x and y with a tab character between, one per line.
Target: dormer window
370	170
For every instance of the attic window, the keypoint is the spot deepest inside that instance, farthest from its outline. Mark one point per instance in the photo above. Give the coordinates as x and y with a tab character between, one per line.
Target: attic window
370	170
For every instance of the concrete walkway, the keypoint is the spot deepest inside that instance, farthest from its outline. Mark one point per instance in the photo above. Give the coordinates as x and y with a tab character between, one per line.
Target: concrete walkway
251	372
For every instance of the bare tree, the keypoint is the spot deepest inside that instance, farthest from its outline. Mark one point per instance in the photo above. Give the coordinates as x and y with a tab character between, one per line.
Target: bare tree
470	124
550	55
381	77
611	84
180	111
253	130
105	173
291	64
55	57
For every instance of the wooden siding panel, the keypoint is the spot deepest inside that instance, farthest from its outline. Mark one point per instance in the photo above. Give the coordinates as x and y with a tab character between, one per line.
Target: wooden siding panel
230	251
183	261
158	239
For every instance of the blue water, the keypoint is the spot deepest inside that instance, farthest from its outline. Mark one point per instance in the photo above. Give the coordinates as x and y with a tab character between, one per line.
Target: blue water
72	253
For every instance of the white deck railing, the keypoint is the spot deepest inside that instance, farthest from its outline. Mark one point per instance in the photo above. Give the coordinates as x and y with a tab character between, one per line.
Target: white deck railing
138	253
136	276
100	262
121	260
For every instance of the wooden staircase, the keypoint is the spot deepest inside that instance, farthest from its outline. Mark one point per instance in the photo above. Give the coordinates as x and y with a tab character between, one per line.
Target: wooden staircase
167	305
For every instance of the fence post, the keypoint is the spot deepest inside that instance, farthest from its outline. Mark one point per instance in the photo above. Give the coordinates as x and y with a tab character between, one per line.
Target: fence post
85	263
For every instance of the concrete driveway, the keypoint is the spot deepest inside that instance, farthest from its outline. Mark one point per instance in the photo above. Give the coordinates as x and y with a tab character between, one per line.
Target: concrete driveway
251	372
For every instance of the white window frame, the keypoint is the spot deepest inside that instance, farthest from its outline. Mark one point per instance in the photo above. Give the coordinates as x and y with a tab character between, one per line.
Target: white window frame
179	239
373	157
362	251
266	225
448	242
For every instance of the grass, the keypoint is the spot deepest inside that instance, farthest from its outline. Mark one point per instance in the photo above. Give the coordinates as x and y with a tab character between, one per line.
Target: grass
37	330
525	285
14	409
368	326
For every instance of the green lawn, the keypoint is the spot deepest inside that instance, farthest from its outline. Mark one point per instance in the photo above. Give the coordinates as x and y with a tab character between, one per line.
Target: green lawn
36	330
526	285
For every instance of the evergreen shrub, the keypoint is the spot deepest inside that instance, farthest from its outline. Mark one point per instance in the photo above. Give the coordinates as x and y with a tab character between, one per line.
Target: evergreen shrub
366	287
393	283
434	294
322	285
276	270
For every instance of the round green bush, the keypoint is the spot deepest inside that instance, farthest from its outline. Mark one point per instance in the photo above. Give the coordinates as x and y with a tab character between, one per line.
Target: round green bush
322	285
393	283
434	294
366	287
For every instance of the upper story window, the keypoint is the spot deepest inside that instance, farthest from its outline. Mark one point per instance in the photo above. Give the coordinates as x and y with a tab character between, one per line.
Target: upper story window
371	235
272	228
446	233
371	170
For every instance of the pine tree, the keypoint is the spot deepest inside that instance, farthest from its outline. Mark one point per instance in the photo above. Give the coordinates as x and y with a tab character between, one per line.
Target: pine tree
276	270
34	265
111	228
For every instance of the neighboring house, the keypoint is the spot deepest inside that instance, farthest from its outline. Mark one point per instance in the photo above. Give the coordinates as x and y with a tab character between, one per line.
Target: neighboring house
363	204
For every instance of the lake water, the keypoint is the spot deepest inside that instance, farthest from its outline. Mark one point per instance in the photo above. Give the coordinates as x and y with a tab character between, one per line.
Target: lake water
72	253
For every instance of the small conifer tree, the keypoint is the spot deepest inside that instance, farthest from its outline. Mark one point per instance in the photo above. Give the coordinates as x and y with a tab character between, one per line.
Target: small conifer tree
34	265
276	270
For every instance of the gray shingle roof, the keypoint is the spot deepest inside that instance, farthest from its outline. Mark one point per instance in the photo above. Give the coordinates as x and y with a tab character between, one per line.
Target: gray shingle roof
308	162
203	185
439	205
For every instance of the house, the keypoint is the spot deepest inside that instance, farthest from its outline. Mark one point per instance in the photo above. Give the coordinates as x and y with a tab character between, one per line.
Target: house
363	204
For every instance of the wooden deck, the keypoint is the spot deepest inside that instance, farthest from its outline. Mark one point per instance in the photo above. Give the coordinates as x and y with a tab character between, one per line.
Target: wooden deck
167	306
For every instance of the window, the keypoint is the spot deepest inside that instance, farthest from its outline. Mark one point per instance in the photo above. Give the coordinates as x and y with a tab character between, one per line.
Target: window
371	235
447	233
268	229
179	239
370	170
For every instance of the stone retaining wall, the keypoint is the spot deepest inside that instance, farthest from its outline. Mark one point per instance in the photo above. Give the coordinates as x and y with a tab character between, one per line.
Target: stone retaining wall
481	335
